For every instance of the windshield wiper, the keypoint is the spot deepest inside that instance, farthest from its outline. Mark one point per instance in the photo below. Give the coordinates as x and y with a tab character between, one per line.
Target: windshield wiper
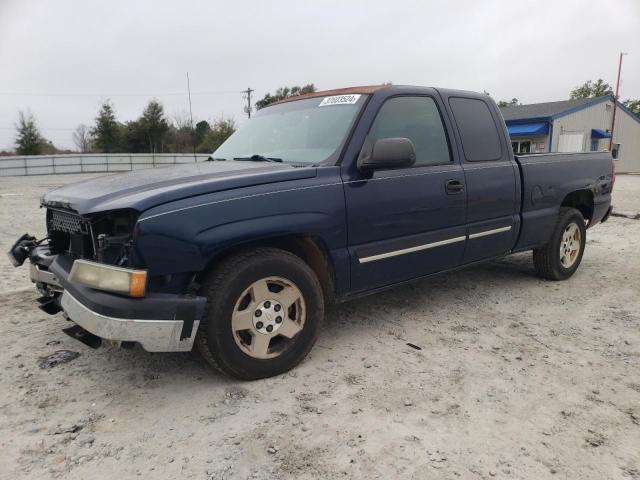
259	158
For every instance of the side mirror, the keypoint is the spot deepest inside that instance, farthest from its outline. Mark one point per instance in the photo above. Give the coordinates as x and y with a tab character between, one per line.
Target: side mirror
387	153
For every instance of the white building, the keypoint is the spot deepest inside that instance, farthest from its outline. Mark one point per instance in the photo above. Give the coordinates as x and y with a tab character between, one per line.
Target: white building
580	125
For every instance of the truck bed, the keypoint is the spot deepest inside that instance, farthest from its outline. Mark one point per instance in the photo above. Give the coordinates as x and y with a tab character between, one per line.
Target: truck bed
547	179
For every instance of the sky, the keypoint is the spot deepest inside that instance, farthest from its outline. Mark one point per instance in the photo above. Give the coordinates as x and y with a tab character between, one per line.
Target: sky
61	59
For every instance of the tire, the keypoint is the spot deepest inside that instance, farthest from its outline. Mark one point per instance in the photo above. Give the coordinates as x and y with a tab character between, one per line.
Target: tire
232	336
560	258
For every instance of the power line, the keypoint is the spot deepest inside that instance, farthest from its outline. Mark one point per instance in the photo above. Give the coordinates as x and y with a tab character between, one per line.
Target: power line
62	129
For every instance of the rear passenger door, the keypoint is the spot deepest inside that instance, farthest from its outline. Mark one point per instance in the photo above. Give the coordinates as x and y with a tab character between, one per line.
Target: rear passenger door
490	173
408	222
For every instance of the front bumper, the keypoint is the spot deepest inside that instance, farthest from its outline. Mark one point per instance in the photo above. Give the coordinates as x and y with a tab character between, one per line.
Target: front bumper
159	322
153	335
39	275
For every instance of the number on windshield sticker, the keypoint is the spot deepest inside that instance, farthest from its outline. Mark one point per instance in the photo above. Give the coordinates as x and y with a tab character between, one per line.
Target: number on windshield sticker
339	100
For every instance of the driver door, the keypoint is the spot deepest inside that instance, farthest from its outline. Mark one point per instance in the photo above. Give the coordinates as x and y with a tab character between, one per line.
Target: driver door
409	222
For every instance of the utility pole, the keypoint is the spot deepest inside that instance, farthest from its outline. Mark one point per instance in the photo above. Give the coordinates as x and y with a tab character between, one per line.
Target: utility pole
247	93
615	101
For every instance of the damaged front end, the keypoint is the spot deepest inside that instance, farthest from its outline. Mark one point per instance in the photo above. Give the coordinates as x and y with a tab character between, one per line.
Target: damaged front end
104	238
79	268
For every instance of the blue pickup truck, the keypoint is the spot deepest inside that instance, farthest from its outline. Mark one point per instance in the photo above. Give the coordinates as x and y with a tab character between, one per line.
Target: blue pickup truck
317	199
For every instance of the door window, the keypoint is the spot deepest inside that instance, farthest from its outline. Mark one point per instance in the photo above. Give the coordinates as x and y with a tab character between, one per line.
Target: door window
478	131
418	119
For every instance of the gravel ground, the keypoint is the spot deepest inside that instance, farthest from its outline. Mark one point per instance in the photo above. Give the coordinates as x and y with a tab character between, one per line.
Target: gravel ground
510	377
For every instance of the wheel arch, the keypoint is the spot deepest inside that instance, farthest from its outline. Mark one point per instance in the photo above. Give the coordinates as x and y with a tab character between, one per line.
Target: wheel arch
311	249
581	200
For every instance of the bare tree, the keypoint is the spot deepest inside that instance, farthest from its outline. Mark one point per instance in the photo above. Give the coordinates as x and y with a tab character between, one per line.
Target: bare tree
181	120
82	138
181	134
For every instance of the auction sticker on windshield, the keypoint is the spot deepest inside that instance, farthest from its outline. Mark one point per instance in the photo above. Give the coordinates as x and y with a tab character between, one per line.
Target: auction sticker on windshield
339	100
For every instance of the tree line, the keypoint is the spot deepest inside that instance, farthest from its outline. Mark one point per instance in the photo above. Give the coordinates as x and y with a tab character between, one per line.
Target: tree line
152	132
283	93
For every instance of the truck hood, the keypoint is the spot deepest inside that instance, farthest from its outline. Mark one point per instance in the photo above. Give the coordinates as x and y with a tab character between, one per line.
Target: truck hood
143	189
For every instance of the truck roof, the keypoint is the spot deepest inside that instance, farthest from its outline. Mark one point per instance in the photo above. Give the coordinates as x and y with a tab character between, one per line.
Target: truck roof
368	89
336	91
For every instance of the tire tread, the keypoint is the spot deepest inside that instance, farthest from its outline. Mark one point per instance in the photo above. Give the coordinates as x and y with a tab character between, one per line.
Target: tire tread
214	283
543	257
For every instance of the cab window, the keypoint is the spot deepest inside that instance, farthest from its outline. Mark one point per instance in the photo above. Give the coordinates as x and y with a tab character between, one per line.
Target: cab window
418	119
478	131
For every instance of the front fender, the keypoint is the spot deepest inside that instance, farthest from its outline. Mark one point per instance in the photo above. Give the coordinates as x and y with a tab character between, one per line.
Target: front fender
247	230
185	236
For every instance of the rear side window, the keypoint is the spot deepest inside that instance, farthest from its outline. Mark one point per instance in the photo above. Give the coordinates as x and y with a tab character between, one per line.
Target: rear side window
418	119
478	132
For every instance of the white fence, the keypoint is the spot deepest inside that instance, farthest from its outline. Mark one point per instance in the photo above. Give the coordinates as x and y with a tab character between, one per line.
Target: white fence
91	163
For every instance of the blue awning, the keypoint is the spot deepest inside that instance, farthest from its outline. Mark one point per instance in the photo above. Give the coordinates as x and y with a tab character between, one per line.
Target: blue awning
529	129
597	133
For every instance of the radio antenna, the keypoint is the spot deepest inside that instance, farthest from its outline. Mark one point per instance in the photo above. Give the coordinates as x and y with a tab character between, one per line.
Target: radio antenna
193	133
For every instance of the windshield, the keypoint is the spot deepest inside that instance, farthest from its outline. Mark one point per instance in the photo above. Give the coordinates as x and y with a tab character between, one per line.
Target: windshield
302	131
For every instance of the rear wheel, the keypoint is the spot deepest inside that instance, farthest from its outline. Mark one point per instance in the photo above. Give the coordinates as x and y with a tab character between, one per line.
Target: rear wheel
264	312
561	256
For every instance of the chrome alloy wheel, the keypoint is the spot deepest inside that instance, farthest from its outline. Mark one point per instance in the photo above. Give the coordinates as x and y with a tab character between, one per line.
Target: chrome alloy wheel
267	317
570	245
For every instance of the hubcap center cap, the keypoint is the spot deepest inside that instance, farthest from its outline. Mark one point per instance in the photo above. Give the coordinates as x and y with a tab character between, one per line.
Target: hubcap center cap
268	317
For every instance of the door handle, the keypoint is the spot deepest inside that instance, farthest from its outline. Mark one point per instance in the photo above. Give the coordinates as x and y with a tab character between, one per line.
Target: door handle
454	186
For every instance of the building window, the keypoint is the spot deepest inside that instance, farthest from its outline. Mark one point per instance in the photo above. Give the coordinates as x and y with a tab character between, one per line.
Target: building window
521	146
594	145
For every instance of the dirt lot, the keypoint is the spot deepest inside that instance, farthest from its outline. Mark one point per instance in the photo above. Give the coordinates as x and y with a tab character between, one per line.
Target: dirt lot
516	378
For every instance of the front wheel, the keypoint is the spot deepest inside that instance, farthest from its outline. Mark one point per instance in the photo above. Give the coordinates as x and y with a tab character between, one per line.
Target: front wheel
561	256
264	312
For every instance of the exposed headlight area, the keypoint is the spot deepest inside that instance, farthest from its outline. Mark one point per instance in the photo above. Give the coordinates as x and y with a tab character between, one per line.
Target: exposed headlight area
109	278
113	234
